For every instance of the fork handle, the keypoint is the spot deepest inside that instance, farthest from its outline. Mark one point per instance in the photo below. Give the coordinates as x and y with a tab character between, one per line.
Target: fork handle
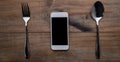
98	43
27	53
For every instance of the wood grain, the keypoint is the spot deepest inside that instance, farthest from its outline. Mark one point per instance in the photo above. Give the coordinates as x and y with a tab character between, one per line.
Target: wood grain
82	31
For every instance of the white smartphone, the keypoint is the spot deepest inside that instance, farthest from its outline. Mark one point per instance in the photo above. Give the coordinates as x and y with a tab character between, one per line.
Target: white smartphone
59	31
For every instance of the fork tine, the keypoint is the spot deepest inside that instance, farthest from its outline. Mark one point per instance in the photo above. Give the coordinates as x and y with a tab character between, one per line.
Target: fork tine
28	11
25	10
22	9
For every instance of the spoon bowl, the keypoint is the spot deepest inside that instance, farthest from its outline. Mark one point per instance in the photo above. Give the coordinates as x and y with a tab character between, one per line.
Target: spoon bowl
97	19
97	11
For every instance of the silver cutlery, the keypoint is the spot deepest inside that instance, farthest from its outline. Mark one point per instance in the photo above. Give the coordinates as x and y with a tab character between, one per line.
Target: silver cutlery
26	18
97	15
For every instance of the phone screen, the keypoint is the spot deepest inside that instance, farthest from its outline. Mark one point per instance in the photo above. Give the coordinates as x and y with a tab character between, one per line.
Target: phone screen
59	31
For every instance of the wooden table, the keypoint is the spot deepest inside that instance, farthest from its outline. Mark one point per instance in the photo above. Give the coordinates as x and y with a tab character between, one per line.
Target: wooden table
82	31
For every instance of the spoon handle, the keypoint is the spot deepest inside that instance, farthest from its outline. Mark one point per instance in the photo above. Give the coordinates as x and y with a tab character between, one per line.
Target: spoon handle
98	43
27	54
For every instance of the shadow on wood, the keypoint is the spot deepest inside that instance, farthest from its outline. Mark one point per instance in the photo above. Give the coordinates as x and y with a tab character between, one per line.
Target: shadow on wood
80	26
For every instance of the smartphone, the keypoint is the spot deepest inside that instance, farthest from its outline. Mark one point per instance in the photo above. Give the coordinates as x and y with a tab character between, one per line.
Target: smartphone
59	31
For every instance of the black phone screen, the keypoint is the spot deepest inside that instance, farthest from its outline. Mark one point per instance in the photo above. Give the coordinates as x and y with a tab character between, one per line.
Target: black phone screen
59	31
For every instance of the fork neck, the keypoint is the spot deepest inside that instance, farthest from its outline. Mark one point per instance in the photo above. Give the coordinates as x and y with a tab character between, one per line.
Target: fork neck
26	24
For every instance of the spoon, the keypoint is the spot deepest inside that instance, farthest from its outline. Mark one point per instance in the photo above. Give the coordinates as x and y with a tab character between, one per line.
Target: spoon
97	15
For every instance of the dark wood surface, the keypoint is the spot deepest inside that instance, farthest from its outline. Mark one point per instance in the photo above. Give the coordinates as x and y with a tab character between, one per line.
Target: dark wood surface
82	31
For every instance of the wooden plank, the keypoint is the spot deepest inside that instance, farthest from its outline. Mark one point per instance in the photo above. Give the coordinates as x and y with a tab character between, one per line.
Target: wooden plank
11	17
81	49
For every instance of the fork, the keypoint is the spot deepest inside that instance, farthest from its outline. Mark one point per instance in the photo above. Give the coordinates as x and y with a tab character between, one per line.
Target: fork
26	18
